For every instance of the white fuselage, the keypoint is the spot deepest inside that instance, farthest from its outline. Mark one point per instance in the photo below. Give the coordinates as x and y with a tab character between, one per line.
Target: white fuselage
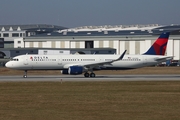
60	62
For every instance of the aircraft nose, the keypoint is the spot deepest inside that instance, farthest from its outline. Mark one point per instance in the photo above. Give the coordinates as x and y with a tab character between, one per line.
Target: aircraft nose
8	65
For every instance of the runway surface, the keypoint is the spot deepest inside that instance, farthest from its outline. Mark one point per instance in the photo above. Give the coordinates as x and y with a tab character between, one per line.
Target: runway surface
62	78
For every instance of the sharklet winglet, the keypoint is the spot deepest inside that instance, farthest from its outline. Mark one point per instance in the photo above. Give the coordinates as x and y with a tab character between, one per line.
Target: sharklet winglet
120	57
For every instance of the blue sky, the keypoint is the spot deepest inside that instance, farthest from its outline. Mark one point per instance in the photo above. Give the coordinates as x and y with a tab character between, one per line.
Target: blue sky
75	13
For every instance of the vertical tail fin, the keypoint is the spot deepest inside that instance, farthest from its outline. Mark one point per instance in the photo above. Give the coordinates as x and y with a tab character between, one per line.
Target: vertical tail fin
159	46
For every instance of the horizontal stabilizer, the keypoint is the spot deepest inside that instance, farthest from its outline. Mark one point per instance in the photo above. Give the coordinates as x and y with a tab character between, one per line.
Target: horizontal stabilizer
164	58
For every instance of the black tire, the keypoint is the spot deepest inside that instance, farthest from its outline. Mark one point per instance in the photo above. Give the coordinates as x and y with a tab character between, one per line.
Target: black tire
86	74
92	75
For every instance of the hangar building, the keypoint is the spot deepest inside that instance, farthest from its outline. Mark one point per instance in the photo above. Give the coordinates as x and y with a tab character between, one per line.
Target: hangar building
12	52
135	38
10	32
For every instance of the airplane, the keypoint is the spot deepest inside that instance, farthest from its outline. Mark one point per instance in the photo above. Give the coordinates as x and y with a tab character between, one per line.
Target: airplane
78	64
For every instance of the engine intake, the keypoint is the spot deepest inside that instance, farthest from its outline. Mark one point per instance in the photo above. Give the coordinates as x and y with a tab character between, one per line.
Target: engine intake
64	71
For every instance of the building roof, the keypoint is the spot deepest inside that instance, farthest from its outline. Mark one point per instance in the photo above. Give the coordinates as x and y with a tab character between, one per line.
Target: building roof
31	27
153	29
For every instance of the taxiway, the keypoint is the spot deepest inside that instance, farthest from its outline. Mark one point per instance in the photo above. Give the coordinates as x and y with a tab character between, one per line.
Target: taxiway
63	78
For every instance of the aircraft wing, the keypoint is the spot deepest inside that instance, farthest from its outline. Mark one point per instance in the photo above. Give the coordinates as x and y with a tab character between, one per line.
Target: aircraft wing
106	62
97	64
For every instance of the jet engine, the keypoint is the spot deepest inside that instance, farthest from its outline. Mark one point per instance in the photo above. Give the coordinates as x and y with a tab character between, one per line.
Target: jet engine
75	70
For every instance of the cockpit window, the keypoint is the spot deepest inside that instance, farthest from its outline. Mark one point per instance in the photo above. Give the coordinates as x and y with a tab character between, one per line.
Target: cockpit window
14	59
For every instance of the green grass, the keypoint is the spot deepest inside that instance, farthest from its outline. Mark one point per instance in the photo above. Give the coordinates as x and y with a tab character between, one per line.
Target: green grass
90	101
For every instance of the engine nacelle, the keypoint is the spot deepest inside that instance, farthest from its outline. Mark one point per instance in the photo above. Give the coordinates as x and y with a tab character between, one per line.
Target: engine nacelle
75	70
64	71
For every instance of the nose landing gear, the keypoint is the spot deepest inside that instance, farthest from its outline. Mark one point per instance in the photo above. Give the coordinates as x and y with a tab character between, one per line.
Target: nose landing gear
25	74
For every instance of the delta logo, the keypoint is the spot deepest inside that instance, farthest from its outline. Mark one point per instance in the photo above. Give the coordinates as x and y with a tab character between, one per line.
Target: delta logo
38	57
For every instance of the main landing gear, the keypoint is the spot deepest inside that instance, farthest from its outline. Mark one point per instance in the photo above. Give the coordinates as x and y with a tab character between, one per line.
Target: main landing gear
25	74
86	74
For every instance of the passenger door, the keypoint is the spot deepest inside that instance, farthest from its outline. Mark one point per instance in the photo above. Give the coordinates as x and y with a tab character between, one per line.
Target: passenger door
144	60
59	60
26	60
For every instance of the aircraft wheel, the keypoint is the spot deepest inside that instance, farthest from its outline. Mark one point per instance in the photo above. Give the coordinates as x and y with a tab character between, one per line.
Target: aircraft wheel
24	76
92	75
86	74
